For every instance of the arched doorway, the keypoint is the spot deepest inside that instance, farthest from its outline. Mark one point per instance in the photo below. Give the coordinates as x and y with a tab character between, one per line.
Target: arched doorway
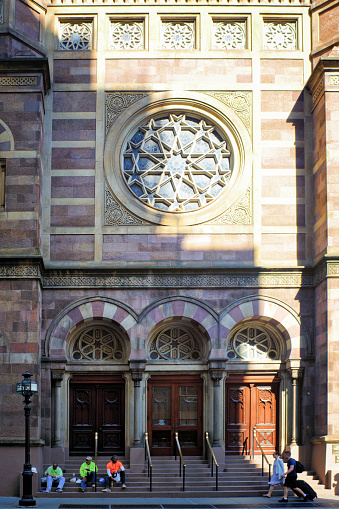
174	401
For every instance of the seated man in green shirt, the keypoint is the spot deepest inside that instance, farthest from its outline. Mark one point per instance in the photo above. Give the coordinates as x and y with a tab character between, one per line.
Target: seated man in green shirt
54	473
87	473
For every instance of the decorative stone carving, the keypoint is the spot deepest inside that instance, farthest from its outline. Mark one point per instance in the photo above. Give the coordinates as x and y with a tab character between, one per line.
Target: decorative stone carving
240	213
97	344
116	214
137	377
19	271
175	344
216	376
334	80
285	280
253	343
280	36
178	35
57	375
240	102
117	102
20	81
75	36
126	35
229	35
177	163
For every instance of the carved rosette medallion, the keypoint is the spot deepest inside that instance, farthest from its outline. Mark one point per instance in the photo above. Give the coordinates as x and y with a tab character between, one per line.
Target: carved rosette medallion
75	36
280	36
239	102
229	36
178	35
117	215
126	35
240	213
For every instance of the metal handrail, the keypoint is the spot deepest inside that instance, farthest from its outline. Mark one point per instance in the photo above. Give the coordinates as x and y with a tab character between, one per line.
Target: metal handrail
149	463
244	446
263	455
214	460
181	462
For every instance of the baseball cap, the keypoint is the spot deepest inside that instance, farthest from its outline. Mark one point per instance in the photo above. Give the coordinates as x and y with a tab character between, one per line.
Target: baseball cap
89	458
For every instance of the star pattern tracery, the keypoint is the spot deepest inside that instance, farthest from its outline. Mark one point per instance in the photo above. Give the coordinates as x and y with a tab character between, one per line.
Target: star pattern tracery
177	163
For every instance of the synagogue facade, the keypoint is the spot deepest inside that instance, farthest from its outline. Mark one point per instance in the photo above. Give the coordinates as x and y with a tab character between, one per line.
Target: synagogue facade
169	233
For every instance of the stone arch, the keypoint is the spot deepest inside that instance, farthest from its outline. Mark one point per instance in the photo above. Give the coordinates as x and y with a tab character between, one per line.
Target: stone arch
273	312
86	310
180	308
6	138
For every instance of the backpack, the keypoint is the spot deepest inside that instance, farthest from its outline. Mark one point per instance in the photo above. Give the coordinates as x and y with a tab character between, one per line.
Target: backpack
299	467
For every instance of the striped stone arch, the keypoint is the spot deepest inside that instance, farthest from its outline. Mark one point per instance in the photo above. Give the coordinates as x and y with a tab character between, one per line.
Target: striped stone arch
270	311
80	312
6	138
182	309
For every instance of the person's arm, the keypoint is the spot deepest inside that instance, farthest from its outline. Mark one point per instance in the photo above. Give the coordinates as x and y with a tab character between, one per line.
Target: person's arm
82	470
289	470
109	472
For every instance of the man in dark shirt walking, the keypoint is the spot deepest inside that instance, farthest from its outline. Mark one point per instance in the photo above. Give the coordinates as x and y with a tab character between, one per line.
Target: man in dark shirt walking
290	477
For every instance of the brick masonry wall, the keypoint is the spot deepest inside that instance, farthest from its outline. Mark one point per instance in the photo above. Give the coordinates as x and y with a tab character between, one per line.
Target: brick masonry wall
27	20
321	360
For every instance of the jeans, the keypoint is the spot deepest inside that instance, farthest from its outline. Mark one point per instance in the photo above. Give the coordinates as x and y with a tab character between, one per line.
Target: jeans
90	479
109	479
50	480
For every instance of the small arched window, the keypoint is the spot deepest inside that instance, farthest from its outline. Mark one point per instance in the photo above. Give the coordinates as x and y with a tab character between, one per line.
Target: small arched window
253	342
98	343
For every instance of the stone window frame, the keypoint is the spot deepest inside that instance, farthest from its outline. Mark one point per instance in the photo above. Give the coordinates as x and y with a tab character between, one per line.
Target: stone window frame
189	18
193	330
246	19
76	20
130	18
195	103
297	20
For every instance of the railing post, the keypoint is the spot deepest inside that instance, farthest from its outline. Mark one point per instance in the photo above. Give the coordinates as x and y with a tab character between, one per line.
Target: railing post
269	472
216	477
183	477
253	438
262	464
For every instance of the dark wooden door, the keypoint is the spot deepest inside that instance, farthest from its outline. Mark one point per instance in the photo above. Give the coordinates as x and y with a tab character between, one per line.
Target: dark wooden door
251	402
175	405
97	407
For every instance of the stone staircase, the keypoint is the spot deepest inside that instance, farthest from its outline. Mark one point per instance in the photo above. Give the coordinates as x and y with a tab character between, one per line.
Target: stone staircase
240	477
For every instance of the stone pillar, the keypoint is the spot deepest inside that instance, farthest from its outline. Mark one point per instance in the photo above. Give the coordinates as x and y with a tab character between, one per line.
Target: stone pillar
296	374
57	377
138	417
217	406
137	367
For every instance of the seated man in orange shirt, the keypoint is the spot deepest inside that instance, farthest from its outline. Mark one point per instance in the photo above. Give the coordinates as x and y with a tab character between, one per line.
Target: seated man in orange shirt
113	468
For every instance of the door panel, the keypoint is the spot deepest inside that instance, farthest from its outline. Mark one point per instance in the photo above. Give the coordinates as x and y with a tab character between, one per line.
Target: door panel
251	403
96	407
175	405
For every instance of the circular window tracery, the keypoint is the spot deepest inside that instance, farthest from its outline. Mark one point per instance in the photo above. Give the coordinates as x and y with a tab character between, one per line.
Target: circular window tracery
175	343
97	344
253	343
177	163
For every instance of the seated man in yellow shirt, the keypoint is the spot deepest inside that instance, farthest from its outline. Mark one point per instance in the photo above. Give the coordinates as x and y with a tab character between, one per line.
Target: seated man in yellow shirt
87	473
113	468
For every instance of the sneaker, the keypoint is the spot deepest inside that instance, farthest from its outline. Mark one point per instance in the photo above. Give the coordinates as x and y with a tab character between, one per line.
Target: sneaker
123	485
81	489
107	490
93	485
59	490
48	491
283	500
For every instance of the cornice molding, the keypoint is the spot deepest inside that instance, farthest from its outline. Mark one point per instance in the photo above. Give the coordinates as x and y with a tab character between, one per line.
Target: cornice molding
27	66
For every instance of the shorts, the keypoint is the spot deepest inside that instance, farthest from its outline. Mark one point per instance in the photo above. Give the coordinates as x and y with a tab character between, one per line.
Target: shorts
291	481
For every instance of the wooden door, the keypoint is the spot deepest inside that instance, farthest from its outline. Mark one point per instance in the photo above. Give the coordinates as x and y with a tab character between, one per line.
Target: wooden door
251	402
96	407
175	405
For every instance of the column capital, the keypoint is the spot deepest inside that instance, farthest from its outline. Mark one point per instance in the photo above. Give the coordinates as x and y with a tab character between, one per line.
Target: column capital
57	375
296	373
137	377
216	376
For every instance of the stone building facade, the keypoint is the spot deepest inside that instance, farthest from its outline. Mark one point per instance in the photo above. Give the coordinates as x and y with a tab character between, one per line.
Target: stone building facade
168	228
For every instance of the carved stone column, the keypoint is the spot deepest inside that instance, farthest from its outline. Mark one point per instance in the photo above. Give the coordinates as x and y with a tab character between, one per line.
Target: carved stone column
216	376
296	375
138	417
57	377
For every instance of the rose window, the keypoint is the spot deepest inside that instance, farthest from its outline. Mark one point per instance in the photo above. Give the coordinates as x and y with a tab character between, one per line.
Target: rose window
177	163
97	344
175	343
253	343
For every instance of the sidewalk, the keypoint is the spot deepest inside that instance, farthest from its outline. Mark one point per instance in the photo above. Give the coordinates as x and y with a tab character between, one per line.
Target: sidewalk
171	503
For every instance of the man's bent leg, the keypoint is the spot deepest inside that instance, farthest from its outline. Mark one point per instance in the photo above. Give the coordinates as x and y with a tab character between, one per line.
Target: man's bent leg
49	483
61	482
122	476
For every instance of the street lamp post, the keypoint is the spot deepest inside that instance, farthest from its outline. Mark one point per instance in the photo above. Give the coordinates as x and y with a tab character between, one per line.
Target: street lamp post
27	388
